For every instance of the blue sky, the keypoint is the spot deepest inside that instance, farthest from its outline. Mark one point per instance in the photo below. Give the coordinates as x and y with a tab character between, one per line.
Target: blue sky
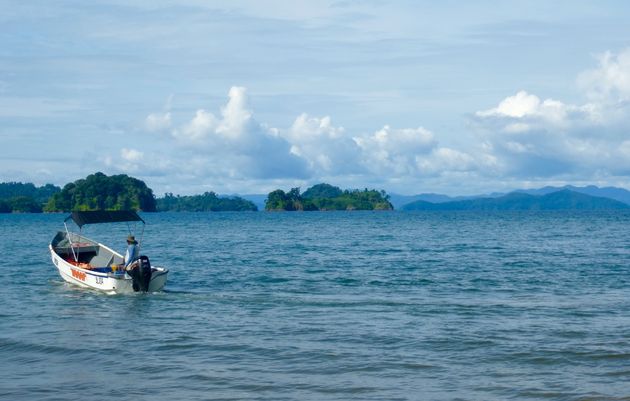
408	96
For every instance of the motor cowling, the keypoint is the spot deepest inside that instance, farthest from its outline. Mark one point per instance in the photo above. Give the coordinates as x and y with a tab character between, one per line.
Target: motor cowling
141	274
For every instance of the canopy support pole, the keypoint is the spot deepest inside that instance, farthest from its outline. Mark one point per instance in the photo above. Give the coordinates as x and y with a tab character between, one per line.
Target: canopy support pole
74	255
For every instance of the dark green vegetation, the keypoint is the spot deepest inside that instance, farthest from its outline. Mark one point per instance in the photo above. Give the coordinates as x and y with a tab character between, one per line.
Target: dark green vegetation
18	197
321	191
20	204
559	200
100	192
40	194
327	197
208	202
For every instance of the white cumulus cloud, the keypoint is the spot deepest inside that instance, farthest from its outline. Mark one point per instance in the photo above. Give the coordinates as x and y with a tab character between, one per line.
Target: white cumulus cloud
234	144
516	106
610	80
202	125
396	151
128	161
156	122
131	155
326	148
523	111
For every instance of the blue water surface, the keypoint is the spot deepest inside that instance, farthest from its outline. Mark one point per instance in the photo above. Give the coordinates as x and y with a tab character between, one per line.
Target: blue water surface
328	306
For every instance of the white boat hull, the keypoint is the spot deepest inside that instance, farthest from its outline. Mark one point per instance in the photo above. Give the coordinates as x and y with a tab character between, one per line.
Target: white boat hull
117	282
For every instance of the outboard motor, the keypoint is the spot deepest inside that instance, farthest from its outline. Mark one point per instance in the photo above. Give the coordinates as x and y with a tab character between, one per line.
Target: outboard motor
141	274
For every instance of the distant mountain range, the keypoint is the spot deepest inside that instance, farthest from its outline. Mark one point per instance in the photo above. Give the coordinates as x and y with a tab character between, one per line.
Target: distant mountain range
618	194
563	199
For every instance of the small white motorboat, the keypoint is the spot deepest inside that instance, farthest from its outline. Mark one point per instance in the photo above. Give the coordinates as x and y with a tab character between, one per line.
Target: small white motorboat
87	263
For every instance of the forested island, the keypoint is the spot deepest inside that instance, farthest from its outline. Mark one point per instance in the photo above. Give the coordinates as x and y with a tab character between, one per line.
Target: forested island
327	197
100	192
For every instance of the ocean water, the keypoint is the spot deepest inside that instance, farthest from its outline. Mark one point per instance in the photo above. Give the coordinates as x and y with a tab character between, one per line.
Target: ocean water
328	306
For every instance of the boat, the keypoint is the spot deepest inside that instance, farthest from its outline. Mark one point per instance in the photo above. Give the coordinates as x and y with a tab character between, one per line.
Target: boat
90	264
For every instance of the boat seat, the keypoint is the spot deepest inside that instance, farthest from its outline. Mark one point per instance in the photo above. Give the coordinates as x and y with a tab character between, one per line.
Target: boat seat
102	260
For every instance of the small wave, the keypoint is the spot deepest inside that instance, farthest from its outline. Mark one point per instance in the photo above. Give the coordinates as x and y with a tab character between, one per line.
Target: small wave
11	345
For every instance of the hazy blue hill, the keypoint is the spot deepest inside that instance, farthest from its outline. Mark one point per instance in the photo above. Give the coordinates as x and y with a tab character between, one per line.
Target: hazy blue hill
398	201
568	199
559	200
619	194
256	199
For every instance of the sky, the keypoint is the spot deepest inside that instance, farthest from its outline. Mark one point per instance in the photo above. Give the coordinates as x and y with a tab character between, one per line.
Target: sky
453	97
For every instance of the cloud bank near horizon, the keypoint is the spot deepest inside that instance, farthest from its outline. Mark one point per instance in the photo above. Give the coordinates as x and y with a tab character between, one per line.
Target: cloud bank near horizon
524	138
234	145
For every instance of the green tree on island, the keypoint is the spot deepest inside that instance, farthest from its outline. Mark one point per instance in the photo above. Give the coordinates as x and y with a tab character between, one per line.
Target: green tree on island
100	192
322	191
327	197
289	201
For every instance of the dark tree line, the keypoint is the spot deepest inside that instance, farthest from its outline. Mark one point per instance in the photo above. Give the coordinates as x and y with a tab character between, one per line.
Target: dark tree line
17	197
41	194
207	202
20	204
